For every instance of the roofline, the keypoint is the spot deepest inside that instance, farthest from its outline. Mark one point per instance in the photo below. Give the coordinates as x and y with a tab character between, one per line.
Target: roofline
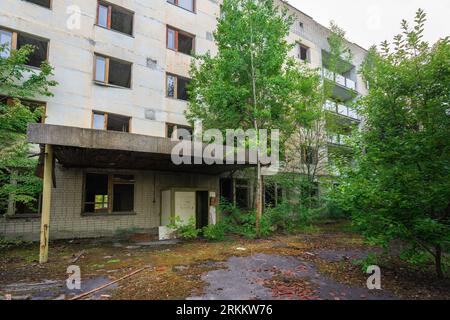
285	2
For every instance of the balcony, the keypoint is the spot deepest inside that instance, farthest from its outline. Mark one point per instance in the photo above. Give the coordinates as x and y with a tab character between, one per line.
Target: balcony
337	139
339	79
342	110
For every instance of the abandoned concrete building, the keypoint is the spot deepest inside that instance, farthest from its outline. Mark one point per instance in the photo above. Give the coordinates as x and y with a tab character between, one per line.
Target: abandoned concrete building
122	68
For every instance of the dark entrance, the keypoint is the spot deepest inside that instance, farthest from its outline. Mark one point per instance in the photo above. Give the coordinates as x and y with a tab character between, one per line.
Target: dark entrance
202	208
226	190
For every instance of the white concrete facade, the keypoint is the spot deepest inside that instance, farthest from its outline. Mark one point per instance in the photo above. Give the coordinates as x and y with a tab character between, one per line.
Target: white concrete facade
71	53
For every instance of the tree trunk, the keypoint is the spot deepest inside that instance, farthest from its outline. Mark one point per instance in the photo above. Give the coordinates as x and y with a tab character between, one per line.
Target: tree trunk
258	201
438	262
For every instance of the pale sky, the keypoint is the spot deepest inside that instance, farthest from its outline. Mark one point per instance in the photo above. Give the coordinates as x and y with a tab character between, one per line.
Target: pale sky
369	22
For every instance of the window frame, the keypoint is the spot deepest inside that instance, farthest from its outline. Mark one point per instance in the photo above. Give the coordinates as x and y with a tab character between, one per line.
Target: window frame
175	91
176	4
308	52
109	7
105	120
175	128
14	41
110	190
106	74
177	32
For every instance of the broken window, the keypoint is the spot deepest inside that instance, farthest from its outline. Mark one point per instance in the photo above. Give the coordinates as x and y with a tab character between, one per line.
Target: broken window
96	193
123	193
226	189
185	4
112	71
32	105
273	194
180	41
242	194
39	55
303	52
176	87
310	155
110	122
11	40
115	18
108	193
176	131
44	3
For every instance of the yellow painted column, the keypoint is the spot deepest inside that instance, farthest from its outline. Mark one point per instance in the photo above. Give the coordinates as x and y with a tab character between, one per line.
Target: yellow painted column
46	202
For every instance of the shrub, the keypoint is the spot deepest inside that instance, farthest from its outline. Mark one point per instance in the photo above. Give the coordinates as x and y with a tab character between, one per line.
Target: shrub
214	232
185	231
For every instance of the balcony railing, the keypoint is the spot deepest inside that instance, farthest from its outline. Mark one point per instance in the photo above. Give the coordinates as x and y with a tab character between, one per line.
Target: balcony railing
339	79
338	139
342	110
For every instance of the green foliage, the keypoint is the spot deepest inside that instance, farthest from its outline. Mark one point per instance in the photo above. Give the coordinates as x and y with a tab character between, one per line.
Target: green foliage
399	187
252	81
214	232
243	223
185	230
19	81
9	243
370	260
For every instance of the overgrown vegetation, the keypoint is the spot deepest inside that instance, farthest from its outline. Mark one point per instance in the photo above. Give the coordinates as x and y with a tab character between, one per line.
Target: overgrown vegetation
18	183
252	82
399	186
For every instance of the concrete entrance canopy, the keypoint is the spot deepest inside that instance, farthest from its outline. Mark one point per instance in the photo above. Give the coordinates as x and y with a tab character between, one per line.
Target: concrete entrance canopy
90	148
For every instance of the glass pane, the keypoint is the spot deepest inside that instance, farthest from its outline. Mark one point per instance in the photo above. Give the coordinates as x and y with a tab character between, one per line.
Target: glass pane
5	43
102	16
100	65
186	4
171	86
99	121
171	39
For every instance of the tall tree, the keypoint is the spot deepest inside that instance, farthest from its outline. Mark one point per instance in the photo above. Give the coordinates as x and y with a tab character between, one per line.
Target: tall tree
252	82
18	184
400	185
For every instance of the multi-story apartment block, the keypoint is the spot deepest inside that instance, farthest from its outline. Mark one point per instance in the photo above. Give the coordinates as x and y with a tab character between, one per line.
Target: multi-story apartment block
122	68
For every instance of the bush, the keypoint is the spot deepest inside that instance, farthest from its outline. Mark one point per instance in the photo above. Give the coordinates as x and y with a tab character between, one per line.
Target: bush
282	217
244	224
10	243
214	232
185	231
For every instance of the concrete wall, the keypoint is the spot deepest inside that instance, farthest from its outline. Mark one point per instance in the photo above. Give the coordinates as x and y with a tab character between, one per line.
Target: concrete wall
67	221
71	52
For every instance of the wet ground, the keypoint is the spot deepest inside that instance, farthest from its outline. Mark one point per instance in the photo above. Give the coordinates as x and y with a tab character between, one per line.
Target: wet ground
57	289
307	266
248	278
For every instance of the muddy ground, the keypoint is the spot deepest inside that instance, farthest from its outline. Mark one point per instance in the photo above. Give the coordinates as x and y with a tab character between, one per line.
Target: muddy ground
307	266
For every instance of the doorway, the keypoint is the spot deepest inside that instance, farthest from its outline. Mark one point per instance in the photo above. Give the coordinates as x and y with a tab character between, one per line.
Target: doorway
202	208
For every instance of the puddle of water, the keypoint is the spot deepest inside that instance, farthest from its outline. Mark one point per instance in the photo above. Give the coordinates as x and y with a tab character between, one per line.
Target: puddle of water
243	278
